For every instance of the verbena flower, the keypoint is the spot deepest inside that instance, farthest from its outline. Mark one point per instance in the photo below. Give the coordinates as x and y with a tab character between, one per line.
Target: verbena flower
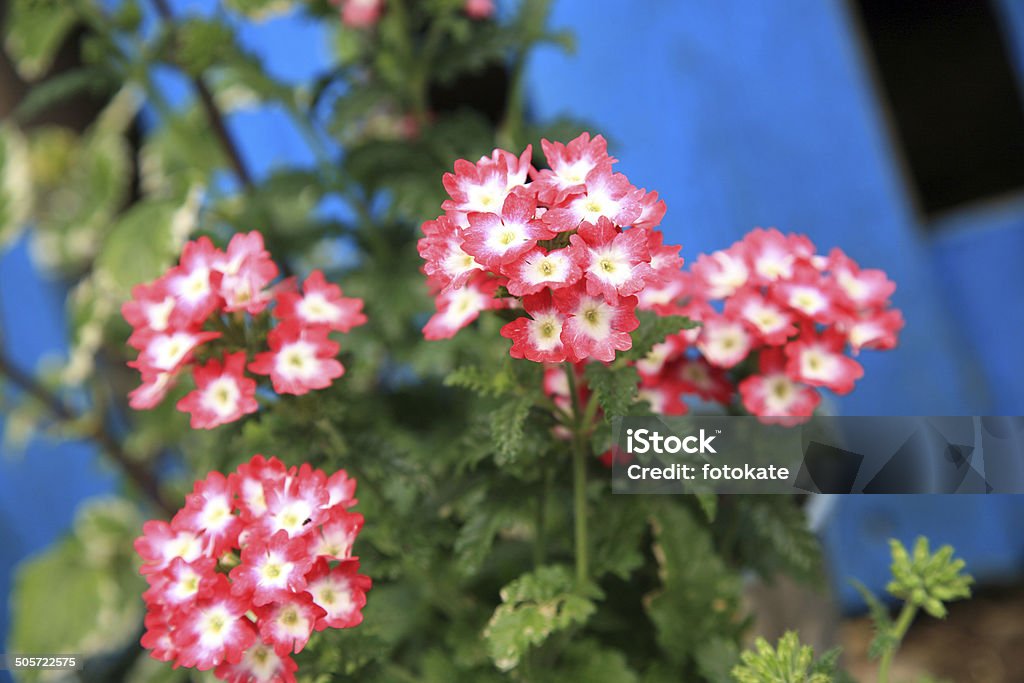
228	296
287	534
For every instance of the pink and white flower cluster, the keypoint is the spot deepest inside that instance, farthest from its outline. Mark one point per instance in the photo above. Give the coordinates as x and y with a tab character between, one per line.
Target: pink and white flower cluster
778	323
363	14
574	246
226	296
251	566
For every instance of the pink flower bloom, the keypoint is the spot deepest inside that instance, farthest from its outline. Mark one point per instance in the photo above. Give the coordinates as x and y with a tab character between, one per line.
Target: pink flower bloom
494	240
538	269
336	535
483	187
340	592
154	388
479	9
724	342
457	308
213	630
538	336
320	304
772	255
181	582
300	359
287	624
293	525
807	294
191	282
872	330
660	354
361	13
614	263
259	664
272	568
773	396
209	511
664	399
820	361
161	542
244	274
341	490
595	328
223	393
722	272
772	324
169	351
569	167
859	288
448	264
250	481
150	311
697	376
607	194
652	210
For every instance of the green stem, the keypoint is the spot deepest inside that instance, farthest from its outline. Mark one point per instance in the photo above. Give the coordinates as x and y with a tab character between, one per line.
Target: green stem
906	617
541	540
580	448
533	17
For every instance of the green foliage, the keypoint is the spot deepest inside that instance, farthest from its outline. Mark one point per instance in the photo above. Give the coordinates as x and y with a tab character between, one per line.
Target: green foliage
614	385
81	595
532	608
653	330
928	580
703	590
35	30
789	661
464	465
14	189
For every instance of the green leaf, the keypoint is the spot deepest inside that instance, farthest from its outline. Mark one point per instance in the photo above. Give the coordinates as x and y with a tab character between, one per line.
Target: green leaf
699	594
93	79
708	504
775	538
716	660
15	183
615	387
143	243
533	607
35	31
260	9
653	330
78	186
507	427
590	661
884	639
82	594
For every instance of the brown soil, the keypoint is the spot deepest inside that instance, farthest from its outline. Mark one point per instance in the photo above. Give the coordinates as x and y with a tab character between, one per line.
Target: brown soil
981	641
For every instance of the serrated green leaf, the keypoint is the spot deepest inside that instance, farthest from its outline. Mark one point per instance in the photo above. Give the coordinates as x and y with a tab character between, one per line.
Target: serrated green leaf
653	330
694	582
615	387
507	424
716	660
533	607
